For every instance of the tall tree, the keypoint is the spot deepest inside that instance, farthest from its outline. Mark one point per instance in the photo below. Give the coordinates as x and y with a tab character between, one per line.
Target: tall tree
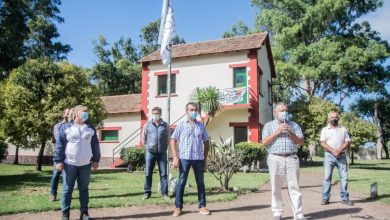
239	29
36	94
116	72
320	50
149	37
27	30
376	110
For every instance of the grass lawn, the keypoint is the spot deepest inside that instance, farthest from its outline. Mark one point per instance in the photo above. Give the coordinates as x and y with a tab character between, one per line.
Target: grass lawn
361	175
24	190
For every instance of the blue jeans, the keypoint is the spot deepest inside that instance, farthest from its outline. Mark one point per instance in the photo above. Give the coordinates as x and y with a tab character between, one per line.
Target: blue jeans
330	162
55	178
184	168
70	175
150	160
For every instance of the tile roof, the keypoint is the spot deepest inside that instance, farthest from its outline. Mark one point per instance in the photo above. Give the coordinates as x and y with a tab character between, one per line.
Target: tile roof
214	46
122	103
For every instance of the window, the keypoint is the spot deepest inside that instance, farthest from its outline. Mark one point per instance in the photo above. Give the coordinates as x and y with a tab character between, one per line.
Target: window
162	84
240	134
109	135
269	93
260	81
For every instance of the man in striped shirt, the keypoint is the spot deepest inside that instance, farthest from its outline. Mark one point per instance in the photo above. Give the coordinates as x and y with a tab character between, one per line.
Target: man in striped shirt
282	138
191	135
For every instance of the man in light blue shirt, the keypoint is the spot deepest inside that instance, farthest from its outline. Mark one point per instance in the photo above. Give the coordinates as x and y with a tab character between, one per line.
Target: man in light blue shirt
191	135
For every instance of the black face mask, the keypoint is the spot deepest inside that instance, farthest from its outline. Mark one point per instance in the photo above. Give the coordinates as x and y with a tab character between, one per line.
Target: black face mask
334	122
66	118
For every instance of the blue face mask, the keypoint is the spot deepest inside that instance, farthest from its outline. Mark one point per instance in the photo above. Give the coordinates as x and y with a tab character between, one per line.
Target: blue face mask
283	116
84	116
193	115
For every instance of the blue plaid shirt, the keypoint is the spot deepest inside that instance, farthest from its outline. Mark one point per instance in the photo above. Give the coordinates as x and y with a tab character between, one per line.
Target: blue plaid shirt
283	144
190	140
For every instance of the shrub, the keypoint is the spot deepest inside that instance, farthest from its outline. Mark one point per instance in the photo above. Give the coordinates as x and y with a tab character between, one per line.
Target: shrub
223	162
251	152
3	150
135	156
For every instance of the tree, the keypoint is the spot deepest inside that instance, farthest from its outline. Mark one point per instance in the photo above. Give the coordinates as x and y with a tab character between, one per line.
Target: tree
28	30
360	131
34	98
149	35
207	99
117	71
365	107
320	50
239	29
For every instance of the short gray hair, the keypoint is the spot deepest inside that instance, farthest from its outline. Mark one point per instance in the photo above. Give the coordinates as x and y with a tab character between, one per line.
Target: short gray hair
280	104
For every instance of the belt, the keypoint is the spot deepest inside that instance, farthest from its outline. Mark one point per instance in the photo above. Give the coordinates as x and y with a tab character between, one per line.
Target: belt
285	155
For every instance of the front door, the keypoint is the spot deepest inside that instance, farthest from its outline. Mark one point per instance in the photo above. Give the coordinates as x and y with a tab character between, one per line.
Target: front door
240	81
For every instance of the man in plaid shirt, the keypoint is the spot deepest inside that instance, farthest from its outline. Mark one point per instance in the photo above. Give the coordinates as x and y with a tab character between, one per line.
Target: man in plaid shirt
282	138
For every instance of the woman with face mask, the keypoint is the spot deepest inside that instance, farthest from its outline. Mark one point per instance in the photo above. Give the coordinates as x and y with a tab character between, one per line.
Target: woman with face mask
76	151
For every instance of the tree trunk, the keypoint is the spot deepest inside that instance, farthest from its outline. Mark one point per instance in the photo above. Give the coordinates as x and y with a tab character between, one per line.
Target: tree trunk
16	159
38	167
352	160
226	183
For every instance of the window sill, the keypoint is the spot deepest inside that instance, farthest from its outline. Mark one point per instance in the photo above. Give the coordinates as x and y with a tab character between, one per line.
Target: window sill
164	96
108	142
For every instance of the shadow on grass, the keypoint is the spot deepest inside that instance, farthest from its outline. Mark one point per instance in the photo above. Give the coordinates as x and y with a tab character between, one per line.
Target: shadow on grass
116	195
13	182
333	213
368	200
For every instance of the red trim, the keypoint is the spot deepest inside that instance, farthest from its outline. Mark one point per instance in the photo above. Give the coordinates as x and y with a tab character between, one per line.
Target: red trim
166	72
238	65
173	126
238	124
253	120
110	128
144	95
164	96
108	142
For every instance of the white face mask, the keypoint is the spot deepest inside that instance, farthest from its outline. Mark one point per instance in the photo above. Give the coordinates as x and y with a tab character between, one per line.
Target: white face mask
283	116
156	117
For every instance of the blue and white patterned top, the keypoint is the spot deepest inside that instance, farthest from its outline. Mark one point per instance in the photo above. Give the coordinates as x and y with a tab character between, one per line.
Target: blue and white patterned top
283	144
190	138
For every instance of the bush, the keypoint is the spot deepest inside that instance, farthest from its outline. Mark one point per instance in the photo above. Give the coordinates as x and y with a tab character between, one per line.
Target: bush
3	150
223	162
135	156
251	152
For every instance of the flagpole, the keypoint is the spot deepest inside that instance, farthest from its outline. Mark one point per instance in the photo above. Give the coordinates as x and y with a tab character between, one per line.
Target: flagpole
169	103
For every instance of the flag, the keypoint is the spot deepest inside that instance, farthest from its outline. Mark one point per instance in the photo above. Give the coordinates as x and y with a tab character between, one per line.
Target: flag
167	31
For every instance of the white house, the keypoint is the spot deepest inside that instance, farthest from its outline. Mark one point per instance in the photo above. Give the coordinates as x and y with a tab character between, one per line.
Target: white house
241	67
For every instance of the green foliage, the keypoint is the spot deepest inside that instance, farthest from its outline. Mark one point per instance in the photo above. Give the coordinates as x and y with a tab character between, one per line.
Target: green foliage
117	72
3	150
320	50
311	115
207	99
34	98
239	29
360	131
251	152
135	156
223	162
28	30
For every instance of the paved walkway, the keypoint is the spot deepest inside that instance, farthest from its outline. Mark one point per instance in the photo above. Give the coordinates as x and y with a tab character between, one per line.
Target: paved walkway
252	206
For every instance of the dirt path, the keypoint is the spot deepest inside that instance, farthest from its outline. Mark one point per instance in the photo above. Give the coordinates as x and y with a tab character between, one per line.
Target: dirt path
252	206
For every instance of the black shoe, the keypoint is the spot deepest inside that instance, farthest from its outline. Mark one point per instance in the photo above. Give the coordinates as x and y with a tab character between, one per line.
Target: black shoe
146	196
65	216
347	202
84	216
324	202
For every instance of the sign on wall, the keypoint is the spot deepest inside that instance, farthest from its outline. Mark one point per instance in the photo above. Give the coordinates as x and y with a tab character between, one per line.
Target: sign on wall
232	95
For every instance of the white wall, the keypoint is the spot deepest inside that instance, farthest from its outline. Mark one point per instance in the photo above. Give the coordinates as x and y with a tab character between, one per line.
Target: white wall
197	71
265	109
129	123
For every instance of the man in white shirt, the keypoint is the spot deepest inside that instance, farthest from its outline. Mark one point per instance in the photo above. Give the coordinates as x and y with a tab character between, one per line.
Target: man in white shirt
335	141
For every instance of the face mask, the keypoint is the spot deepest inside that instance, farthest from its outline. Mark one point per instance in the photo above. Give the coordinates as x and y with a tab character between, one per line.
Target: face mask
283	116
334	122
66	118
193	115
156	117
84	116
